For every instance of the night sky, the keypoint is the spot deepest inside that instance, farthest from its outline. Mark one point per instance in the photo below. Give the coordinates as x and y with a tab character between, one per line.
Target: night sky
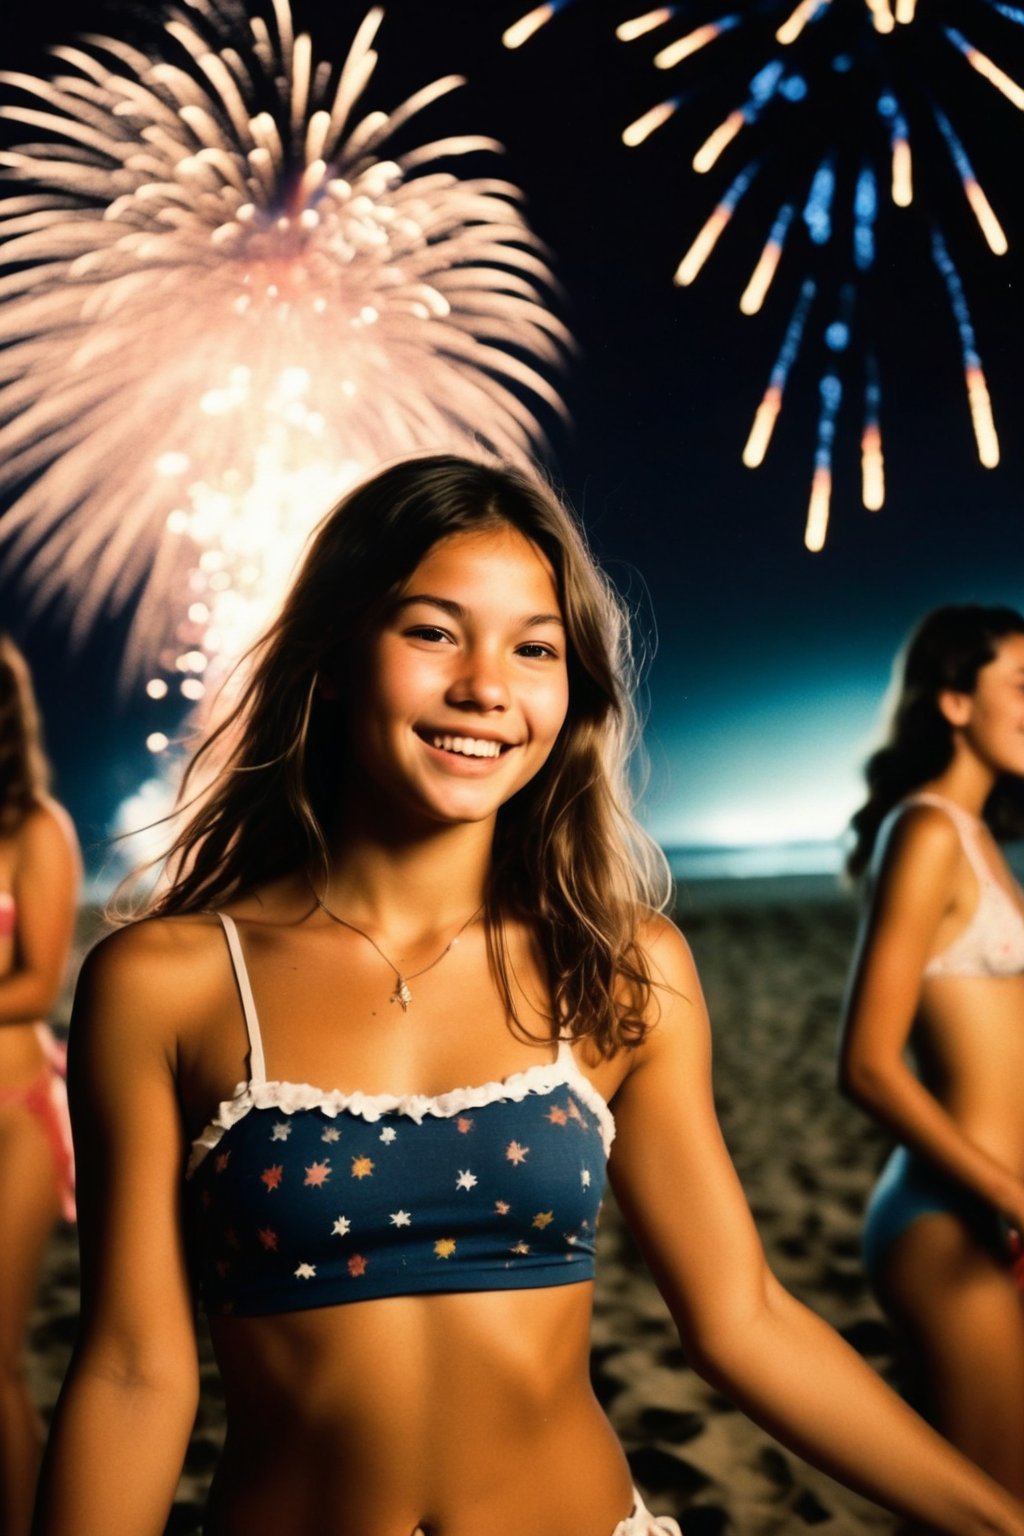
770	661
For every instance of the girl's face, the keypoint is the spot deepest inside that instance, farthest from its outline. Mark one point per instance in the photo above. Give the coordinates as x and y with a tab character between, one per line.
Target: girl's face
992	717
464	686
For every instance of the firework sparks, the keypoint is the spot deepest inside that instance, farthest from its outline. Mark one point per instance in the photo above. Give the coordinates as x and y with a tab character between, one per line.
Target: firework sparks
780	81
841	110
224	296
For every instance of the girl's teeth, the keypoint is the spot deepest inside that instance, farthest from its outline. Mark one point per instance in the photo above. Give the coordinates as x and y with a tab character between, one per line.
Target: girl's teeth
468	746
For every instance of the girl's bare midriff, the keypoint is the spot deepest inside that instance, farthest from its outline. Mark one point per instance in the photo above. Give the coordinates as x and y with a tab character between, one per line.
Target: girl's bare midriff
456	1414
970	1047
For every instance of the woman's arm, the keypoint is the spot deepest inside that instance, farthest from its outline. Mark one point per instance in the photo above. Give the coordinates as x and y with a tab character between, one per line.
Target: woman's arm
912	892
46	881
742	1331
128	1403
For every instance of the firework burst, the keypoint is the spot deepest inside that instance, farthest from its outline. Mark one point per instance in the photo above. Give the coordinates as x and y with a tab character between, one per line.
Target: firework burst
849	107
224	297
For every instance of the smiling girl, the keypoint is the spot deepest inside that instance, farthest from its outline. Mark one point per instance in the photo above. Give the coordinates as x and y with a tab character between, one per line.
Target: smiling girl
940	965
416	869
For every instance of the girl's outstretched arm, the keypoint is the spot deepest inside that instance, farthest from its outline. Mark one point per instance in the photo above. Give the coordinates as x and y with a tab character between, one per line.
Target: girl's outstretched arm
128	1403
743	1332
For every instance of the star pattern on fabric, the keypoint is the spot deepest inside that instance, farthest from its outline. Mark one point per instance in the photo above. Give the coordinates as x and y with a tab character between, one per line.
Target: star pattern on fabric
561	1180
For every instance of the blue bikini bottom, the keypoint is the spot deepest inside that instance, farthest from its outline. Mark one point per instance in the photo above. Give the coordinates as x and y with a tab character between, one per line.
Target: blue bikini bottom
909	1188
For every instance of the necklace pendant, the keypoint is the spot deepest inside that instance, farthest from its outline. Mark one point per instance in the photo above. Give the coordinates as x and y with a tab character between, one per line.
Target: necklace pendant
401	994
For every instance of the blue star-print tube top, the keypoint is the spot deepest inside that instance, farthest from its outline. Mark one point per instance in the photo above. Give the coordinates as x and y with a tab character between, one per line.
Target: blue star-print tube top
299	1197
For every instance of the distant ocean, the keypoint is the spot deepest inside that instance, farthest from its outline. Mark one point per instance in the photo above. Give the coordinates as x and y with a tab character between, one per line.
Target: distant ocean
766	873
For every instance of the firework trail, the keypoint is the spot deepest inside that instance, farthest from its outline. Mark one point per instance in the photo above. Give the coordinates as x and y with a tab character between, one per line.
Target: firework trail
850	106
224	296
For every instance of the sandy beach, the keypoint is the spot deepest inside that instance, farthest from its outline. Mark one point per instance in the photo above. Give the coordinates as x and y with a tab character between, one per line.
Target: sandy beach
773	974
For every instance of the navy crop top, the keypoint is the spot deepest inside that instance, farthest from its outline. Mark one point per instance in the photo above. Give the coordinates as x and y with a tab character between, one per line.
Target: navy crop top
302	1197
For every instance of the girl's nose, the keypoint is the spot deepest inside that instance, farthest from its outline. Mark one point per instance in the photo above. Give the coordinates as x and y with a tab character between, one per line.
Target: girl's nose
481	684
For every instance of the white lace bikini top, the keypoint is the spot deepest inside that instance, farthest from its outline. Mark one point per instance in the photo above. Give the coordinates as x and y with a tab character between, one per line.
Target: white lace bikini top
992	944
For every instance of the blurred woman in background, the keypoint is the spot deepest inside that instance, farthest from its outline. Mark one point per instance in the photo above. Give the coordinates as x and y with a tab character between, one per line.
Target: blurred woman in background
940	967
39	876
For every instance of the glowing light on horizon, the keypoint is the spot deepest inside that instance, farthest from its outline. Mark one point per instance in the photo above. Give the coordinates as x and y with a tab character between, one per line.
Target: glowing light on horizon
225	296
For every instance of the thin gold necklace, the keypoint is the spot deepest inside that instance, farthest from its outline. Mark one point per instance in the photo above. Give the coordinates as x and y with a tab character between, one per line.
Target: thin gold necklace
401	994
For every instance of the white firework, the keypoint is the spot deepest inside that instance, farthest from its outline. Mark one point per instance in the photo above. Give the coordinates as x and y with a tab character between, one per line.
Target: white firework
220	302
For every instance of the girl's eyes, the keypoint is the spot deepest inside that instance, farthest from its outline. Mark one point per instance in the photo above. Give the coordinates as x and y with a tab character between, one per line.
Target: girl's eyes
532	650
427	632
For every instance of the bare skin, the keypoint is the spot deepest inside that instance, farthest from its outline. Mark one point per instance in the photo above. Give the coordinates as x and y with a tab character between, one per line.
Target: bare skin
951	1294
446	1415
39	868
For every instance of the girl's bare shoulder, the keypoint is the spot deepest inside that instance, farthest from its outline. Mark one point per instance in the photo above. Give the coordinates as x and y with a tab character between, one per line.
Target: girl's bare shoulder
47	831
920	836
156	967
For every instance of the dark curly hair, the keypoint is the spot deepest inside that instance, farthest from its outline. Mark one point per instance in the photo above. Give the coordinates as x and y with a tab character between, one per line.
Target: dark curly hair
947	650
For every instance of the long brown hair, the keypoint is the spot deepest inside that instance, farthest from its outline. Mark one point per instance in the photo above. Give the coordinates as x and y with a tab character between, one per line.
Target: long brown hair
569	857
947	650
24	770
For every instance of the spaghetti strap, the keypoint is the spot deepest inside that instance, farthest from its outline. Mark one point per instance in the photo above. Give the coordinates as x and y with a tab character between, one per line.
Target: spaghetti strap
257	1065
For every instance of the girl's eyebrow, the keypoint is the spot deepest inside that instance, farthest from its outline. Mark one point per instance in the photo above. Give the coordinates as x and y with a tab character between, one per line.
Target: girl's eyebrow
458	612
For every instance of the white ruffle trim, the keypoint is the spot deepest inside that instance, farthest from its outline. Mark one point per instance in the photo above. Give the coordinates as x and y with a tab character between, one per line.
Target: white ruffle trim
289	1097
